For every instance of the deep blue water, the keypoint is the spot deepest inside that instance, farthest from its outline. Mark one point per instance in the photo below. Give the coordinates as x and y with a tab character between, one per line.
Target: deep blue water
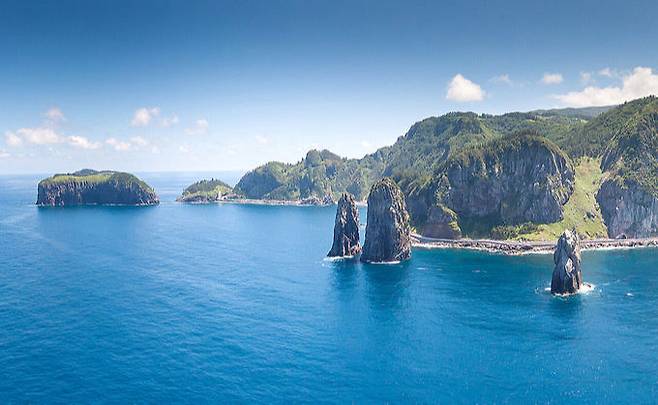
229	303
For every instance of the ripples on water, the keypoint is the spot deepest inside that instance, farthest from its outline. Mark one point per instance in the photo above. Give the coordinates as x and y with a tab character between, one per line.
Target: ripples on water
237	304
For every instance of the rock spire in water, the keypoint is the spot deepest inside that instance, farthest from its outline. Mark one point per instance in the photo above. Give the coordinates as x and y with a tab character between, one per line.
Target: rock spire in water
388	233
346	228
567	277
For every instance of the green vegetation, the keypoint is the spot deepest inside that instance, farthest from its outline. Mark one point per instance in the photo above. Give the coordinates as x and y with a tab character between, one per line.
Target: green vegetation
624	137
580	212
592	138
320	174
632	155
205	190
89	177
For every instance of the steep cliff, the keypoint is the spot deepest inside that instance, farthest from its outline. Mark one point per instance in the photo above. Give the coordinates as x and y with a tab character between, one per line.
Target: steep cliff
629	194
388	233
90	187
567	276
346	228
510	180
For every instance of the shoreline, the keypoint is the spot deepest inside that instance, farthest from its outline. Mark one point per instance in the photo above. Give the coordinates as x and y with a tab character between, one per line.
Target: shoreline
273	203
514	248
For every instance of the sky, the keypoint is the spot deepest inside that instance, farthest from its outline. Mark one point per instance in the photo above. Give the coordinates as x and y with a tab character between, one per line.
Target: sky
229	85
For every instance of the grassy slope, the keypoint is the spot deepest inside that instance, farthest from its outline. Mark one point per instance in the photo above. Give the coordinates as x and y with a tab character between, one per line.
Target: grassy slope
72	178
582	201
94	177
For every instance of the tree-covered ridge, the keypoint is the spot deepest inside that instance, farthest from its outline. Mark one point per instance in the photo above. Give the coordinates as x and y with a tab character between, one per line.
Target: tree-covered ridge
319	174
591	139
205	191
631	157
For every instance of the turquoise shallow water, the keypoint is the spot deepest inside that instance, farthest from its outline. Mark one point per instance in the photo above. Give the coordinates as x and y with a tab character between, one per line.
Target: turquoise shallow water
237	304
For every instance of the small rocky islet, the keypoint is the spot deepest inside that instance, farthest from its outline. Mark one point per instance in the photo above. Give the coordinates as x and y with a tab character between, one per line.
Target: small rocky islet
567	276
92	187
346	229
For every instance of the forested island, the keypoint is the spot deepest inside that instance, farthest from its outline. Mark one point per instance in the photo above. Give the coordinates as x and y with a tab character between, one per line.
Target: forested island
91	187
516	176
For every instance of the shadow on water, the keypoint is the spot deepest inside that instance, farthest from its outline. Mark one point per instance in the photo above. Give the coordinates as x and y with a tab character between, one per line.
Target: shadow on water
344	274
386	284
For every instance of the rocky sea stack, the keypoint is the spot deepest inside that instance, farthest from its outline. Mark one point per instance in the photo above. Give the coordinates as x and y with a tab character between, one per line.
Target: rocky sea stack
346	228
91	187
388	233
567	277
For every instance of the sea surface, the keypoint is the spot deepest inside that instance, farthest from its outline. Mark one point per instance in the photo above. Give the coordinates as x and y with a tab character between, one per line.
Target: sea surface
233	303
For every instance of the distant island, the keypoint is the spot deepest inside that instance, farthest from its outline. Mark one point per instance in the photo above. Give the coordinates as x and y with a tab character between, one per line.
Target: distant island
91	187
517	176
205	191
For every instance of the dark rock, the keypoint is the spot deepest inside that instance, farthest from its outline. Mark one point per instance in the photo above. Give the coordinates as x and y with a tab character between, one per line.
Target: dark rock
442	223
90	187
388	233
513	180
346	228
567	277
628	209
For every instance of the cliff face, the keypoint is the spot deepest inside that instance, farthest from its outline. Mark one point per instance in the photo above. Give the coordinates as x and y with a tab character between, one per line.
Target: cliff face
95	188
567	276
346	228
629	210
629	196
511	180
388	233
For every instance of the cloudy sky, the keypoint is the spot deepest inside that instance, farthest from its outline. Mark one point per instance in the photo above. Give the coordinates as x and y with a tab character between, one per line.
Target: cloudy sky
224	85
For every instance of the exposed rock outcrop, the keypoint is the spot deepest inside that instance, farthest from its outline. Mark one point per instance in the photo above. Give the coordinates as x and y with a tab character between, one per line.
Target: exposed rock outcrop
567	277
346	228
442	223
388	233
90	187
512	180
629	196
629	210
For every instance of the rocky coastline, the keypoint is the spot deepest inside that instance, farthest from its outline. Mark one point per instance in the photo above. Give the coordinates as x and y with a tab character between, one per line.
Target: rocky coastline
519	248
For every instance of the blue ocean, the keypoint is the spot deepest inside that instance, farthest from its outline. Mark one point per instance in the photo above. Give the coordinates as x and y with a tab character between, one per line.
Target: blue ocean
236	303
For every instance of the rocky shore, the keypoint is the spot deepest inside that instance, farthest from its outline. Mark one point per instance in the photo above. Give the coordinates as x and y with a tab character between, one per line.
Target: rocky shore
518	248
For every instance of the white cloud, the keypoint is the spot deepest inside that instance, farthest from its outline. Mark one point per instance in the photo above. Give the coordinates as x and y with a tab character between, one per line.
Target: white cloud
607	72
143	116
139	141
12	139
552	78
502	79
461	89
585	77
184	149
38	136
82	142
55	115
169	121
262	140
4	154
120	146
200	127
640	83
